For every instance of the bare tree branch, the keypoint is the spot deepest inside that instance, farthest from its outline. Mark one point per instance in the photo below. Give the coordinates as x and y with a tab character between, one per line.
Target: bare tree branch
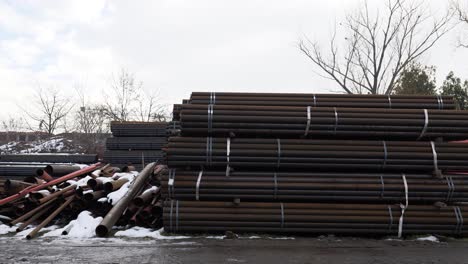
378	46
49	110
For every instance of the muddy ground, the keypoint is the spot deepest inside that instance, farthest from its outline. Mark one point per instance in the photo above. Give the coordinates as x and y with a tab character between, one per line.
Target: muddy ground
243	250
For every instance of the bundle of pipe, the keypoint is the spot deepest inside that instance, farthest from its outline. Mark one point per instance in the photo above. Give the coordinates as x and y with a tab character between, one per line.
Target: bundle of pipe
22	170
134	156
313	186
317	100
323	122
314	218
50	158
138	129
325	100
135	143
294	154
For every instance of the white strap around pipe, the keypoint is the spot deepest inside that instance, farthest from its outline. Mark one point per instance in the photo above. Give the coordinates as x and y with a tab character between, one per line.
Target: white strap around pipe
197	187
403	206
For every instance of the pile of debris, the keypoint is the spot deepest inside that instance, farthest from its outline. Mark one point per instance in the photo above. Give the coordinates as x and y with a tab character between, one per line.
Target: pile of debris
120	197
317	164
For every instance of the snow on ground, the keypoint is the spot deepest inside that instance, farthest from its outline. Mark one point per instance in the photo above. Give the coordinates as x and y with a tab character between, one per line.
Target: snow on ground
5	229
83	226
141	232
30	228
53	144
9	147
428	238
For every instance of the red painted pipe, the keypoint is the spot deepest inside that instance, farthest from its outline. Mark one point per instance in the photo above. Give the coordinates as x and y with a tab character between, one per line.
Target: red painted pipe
53	182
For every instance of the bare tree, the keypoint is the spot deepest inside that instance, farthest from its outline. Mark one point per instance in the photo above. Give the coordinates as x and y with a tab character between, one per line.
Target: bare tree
49	109
462	15
129	101
120	104
13	124
91	122
378	46
90	118
148	107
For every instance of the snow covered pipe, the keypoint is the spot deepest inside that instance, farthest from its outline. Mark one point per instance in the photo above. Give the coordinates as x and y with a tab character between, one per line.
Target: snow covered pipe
114	214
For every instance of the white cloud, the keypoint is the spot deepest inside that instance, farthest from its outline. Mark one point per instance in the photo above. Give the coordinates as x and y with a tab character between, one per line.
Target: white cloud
175	46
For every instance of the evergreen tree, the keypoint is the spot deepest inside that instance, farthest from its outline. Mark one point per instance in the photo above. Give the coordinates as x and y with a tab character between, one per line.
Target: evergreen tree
417	80
453	86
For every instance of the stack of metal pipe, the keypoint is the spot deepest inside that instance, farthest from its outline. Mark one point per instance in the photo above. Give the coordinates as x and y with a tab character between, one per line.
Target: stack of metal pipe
317	164
315	100
346	187
323	122
135	143
50	158
291	154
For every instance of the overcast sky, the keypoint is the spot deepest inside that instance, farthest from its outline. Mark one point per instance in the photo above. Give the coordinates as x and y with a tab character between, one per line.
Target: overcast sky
174	46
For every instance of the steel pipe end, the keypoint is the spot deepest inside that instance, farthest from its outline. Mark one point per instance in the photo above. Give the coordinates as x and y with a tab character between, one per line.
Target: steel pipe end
102	231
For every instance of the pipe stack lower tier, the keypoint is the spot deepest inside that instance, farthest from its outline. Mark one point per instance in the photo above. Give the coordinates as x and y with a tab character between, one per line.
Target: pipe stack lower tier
314	218
313	186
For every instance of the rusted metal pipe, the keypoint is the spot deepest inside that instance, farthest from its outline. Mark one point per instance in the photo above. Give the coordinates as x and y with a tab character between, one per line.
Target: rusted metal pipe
114	185
57	193
51	183
34	217
42	173
50	217
31	213
111	218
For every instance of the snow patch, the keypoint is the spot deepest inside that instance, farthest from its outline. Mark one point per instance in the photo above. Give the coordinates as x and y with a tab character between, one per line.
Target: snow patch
282	238
26	232
428	238
141	232
215	237
51	145
6	148
84	226
83	181
4	229
115	196
128	175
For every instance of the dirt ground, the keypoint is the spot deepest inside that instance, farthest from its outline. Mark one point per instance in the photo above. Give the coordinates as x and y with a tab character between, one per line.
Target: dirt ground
243	250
